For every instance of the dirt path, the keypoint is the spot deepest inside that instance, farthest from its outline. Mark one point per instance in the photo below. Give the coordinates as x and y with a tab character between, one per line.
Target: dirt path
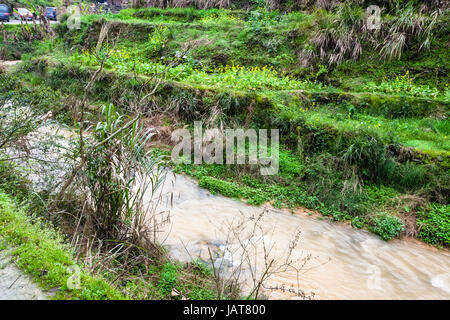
14	284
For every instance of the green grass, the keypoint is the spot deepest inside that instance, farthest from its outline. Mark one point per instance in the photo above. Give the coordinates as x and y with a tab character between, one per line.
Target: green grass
425	134
236	56
316	185
171	276
40	251
259	38
233	77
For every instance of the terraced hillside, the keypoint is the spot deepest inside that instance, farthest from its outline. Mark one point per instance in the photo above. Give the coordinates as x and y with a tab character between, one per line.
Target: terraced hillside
363	117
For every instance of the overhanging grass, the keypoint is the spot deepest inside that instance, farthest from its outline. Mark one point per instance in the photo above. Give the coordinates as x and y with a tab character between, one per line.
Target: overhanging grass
40	251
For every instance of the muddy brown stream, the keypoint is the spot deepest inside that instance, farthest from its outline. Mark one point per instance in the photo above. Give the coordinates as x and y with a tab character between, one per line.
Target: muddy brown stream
344	263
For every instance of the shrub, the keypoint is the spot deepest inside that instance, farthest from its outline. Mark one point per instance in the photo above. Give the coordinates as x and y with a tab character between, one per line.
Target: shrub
334	184
386	226
38	247
114	157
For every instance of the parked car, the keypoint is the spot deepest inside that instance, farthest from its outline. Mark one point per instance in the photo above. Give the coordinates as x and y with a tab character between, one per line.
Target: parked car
4	13
50	13
22	14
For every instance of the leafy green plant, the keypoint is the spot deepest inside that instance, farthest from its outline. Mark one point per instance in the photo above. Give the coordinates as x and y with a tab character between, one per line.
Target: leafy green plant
261	18
380	195
403	85
201	268
158	38
386	226
358	222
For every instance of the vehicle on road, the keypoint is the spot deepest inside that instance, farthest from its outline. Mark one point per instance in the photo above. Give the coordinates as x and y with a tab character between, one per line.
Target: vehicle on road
22	14
4	13
50	13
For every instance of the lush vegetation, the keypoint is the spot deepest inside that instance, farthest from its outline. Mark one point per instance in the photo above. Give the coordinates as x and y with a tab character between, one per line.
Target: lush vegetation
434	225
40	251
336	196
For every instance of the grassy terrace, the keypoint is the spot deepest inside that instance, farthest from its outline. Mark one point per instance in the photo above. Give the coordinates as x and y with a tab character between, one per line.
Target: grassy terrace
374	131
426	134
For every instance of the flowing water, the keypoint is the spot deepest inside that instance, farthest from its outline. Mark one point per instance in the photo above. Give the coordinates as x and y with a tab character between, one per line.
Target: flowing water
343	263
